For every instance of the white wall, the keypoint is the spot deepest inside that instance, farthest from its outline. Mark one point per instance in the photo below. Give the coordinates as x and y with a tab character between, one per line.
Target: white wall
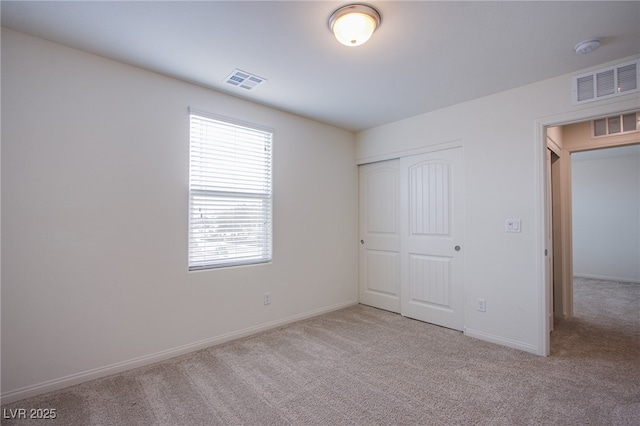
504	152
606	216
94	220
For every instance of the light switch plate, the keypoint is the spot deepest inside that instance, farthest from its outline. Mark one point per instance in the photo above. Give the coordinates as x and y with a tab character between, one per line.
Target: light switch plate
513	225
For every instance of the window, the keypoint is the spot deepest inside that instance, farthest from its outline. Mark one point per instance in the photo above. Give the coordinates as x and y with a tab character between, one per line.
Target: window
230	198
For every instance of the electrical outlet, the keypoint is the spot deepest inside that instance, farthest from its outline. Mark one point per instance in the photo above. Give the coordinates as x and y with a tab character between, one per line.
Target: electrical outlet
267	298
482	305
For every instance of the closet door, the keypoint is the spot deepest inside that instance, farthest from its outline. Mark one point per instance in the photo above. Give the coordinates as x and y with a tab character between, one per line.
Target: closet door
432	250
379	201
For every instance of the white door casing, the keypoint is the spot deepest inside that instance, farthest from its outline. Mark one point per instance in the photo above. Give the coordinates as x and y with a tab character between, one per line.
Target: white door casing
548	252
379	203
431	248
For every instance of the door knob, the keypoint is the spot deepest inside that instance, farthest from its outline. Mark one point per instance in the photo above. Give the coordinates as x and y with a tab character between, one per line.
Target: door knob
457	248
361	241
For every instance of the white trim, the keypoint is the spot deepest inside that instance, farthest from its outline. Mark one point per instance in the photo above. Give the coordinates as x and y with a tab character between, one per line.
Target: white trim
540	172
608	278
618	106
118	367
408	152
515	344
230	120
553	146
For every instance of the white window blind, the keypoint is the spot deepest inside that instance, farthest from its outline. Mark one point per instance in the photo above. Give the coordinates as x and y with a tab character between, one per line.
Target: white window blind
230	200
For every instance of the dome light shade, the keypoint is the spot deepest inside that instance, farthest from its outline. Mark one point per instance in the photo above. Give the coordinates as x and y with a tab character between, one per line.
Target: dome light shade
354	24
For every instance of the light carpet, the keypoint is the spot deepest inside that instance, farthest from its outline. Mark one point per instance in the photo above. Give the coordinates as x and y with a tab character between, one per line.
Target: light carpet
364	366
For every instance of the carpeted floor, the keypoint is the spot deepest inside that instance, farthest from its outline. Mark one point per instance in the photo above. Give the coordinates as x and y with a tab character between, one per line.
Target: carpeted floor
364	366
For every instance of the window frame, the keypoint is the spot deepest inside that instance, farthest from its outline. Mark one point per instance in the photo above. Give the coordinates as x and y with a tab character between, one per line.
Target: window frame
213	249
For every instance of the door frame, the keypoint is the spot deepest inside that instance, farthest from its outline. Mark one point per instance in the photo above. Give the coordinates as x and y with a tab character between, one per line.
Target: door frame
599	109
409	152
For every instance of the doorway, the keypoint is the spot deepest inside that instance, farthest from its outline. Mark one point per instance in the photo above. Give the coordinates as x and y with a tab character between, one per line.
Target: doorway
606	185
562	141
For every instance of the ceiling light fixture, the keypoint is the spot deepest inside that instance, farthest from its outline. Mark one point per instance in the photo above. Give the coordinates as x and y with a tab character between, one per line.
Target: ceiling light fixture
354	24
588	46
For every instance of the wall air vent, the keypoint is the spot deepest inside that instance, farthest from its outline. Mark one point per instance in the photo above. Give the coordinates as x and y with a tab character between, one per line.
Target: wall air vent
618	80
615	125
244	80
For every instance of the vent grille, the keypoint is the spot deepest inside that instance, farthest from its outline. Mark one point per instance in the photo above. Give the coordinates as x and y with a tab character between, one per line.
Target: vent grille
244	80
616	124
606	83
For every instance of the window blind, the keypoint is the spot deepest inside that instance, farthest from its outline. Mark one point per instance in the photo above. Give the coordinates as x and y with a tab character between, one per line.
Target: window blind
230	201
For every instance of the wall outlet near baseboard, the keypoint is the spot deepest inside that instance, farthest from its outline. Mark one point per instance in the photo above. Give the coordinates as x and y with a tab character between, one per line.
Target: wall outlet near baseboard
482	305
267	298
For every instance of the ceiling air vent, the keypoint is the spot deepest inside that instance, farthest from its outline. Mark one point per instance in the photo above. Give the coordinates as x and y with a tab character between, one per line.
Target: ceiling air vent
244	79
618	80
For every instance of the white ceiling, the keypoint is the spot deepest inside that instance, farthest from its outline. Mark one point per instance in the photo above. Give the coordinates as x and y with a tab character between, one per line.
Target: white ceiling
425	56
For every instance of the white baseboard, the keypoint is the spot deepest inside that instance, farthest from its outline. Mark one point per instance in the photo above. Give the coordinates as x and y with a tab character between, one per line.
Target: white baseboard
74	379
515	344
607	278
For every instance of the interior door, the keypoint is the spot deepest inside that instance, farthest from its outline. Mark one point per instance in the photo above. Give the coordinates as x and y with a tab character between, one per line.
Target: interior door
379	198
432	282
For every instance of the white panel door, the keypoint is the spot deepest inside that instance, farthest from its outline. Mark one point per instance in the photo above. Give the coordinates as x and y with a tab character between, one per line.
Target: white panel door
379	199
432	285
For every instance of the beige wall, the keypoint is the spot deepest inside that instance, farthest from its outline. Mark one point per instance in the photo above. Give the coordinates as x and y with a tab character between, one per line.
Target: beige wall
606	215
94	220
504	159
